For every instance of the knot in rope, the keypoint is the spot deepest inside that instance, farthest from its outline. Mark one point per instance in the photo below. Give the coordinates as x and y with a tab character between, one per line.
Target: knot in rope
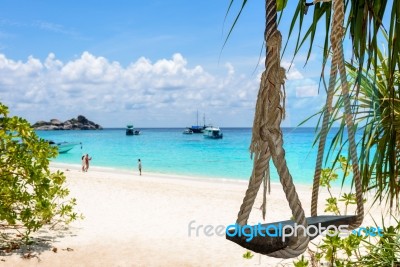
274	40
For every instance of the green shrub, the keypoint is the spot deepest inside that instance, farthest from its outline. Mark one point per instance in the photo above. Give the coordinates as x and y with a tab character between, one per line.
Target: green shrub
30	195
353	250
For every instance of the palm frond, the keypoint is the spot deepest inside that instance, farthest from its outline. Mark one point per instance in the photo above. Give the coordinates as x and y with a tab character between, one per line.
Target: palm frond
378	123
363	20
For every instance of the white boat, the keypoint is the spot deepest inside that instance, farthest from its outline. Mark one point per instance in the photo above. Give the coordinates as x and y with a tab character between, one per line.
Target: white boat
212	133
64	147
187	131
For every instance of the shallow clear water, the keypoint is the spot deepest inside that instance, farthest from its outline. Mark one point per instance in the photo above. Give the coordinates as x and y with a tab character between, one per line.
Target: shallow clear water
169	151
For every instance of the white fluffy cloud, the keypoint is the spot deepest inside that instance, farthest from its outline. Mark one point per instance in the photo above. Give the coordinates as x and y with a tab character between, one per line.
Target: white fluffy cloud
292	72
143	90
166	92
307	90
299	85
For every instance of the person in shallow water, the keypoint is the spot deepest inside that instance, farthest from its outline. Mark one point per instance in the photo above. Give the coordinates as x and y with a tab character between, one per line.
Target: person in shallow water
87	159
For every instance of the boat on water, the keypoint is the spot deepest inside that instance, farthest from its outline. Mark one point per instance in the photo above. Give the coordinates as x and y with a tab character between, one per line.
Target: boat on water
64	147
187	131
212	132
131	131
197	128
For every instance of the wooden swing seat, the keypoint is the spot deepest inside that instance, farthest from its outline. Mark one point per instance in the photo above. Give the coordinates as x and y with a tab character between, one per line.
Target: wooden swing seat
268	244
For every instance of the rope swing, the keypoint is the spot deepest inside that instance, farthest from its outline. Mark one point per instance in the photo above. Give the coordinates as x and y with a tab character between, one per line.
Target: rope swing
267	144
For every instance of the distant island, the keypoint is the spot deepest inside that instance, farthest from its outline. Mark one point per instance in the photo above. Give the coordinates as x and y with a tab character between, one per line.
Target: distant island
79	123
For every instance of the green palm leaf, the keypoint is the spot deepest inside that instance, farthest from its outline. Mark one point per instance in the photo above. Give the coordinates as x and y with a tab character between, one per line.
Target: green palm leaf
378	122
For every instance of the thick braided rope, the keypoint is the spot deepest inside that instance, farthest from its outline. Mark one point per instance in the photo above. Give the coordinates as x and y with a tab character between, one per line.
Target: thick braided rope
352	143
336	39
258	147
267	138
260	160
300	244
322	138
338	62
339	5
266	188
271	131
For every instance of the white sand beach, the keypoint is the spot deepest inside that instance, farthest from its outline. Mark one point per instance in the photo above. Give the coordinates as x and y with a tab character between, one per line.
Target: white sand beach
133	220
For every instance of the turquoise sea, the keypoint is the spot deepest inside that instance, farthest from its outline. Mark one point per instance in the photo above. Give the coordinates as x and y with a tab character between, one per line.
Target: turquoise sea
168	151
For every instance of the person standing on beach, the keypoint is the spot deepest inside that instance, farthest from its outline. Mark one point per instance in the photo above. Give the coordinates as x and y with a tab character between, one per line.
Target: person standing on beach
140	167
87	159
83	163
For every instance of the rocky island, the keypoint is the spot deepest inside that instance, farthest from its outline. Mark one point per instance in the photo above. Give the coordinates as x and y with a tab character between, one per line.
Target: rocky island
79	123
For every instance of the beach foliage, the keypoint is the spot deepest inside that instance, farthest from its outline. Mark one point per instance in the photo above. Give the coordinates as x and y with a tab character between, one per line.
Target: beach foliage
30	195
357	250
301	263
328	176
360	248
377	122
248	255
386	251
363	21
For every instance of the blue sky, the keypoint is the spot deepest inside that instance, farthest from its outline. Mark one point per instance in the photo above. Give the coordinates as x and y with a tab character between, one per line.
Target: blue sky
150	63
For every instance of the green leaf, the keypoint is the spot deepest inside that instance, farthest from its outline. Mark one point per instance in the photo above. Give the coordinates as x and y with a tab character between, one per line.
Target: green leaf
281	4
248	255
30	196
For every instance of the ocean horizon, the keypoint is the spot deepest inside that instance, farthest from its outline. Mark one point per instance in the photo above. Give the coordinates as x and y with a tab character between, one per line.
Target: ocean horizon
168	151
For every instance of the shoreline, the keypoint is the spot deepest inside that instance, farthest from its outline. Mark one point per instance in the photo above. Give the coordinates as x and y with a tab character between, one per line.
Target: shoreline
213	179
132	220
57	165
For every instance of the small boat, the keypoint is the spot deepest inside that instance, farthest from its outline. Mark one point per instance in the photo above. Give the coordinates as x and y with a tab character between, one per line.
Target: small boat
212	133
198	128
187	131
131	131
64	147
